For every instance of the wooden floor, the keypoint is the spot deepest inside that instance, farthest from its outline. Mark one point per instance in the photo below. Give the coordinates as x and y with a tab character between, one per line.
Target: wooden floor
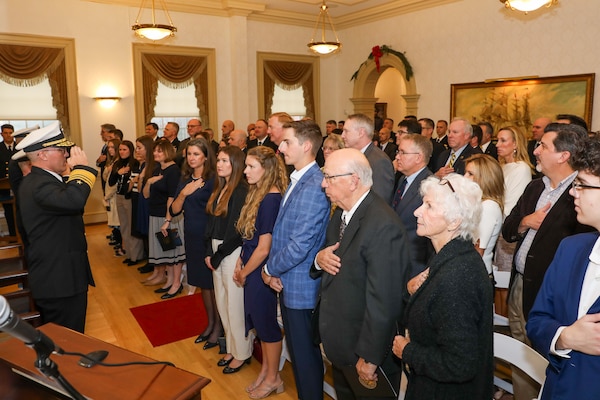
118	289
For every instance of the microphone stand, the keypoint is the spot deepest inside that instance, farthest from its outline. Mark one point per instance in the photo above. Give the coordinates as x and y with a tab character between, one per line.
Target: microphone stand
44	347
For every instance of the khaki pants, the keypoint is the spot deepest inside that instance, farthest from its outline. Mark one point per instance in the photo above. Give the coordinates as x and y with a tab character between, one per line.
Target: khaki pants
230	303
524	387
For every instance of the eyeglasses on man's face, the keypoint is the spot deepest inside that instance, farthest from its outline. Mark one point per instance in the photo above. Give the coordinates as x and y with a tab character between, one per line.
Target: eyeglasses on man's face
578	186
329	178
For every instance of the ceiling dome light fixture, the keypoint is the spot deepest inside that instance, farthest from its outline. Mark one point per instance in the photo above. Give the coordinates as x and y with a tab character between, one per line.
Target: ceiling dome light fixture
324	47
527	5
154	31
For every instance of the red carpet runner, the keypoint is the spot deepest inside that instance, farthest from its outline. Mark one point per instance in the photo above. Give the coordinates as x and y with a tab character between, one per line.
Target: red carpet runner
172	320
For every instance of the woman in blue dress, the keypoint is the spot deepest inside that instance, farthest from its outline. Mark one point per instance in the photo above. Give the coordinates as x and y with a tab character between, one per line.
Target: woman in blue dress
191	198
268	181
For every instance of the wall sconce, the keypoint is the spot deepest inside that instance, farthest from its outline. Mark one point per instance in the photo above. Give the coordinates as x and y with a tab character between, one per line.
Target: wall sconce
107	102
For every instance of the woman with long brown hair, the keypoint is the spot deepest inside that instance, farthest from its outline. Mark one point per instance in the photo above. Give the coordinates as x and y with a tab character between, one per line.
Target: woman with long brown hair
191	199
268	181
223	247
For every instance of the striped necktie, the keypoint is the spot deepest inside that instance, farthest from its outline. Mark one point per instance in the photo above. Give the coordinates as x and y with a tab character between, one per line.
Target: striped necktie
452	159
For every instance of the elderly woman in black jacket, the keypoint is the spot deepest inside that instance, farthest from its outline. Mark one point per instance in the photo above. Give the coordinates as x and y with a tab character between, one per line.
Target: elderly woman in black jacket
448	345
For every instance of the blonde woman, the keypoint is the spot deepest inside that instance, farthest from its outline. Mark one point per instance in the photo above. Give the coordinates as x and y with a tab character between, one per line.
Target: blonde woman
487	173
268	181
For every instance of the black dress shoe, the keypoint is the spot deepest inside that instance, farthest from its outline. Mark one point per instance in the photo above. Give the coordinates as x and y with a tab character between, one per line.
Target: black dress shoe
126	261
229	370
131	262
146	268
162	290
223	362
209	345
113	243
201	338
171	295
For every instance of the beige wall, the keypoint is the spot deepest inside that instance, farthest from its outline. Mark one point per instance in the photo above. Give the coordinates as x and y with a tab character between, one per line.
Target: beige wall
467	41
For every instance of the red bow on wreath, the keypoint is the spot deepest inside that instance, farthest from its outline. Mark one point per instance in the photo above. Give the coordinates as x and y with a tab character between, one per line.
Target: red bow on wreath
376	53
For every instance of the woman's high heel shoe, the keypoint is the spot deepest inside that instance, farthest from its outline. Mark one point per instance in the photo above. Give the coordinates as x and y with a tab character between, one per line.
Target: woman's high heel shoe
262	393
171	295
231	370
162	290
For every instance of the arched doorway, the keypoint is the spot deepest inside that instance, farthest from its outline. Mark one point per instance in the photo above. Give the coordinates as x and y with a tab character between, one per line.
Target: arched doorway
363	95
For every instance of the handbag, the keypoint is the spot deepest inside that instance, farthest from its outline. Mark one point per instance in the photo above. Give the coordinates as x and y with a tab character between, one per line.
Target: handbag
169	242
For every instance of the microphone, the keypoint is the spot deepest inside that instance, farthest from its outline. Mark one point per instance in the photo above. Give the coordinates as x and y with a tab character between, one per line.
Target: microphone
11	323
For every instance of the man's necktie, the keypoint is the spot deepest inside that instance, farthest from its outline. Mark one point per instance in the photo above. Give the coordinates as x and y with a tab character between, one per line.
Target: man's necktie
398	195
452	159
342	228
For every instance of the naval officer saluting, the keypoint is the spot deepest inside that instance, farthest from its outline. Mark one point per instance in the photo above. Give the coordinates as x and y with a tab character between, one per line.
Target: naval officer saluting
52	211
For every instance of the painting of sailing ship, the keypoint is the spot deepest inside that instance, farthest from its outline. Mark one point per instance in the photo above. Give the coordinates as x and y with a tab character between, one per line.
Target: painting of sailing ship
520	102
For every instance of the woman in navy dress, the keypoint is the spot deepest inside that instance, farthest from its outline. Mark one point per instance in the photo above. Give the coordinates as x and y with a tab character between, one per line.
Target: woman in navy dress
191	198
268	180
160	192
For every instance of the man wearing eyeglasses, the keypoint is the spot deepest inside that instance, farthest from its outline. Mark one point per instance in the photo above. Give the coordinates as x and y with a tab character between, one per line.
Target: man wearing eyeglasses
52	213
563	323
364	268
411	161
543	216
194	126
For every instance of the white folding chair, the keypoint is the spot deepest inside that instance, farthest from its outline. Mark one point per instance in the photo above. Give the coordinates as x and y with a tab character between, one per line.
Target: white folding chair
521	356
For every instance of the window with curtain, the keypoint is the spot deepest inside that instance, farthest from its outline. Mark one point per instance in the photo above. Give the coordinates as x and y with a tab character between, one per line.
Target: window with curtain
284	77
174	74
25	66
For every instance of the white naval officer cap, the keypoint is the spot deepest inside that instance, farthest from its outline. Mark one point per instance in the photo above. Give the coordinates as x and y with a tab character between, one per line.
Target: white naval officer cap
25	131
48	136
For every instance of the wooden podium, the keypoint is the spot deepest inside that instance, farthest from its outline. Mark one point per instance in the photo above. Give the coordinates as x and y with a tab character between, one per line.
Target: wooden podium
148	382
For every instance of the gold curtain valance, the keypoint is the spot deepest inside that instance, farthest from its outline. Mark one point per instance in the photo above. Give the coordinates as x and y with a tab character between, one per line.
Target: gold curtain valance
28	65
174	71
288	75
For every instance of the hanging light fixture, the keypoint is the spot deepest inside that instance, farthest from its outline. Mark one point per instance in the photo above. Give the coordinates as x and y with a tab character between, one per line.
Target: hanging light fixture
527	5
154	31
324	47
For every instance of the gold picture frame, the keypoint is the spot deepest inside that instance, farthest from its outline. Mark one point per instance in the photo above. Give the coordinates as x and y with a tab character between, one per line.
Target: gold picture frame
520	101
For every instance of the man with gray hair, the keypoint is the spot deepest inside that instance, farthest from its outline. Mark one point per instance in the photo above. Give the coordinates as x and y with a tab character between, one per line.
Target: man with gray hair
239	138
364	266
453	158
413	155
358	134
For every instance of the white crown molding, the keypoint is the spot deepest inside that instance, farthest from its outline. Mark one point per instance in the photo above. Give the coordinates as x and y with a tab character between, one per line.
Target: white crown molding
260	12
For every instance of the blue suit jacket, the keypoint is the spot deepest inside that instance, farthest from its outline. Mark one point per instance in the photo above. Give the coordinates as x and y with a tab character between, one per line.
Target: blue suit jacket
557	305
298	234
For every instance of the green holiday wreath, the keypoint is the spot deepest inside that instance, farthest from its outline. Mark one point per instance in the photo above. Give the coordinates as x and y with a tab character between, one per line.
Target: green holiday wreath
377	52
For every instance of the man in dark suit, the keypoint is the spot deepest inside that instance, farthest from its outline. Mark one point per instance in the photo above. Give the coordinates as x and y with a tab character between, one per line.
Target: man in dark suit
537	130
564	310
386	144
427	127
7	149
262	136
411	161
365	267
170	133
298	234
358	134
543	216
441	130
487	146
453	158
52	211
